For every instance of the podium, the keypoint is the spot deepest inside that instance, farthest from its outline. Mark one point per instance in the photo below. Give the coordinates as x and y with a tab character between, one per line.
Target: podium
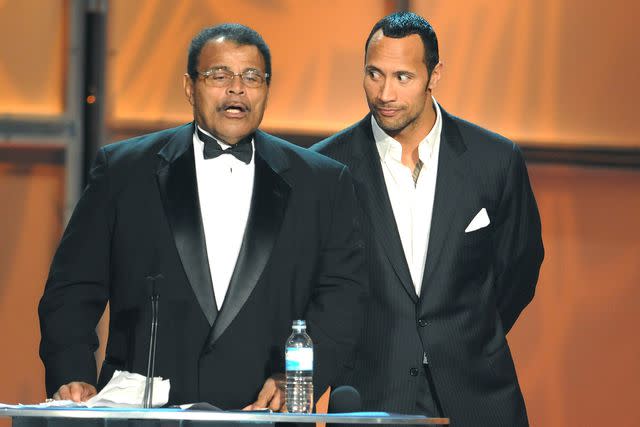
170	417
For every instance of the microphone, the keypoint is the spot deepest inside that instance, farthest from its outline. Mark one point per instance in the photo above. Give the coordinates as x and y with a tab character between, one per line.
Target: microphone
344	399
147	399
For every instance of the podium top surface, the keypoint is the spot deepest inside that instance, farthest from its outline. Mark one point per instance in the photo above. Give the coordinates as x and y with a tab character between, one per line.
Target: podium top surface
227	416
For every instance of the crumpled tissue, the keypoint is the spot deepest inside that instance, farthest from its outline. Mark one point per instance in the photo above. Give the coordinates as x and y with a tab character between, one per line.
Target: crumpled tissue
126	390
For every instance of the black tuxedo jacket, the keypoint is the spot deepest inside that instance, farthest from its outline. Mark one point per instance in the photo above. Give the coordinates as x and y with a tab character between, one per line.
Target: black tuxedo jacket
301	258
475	284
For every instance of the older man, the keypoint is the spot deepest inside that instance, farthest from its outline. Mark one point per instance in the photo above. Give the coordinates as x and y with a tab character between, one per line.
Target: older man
248	231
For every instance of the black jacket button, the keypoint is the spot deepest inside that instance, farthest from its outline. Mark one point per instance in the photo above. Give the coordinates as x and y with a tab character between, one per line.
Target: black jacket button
422	323
413	372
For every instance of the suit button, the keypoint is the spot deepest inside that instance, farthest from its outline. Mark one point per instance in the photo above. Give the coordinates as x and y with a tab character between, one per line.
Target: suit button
413	372
422	323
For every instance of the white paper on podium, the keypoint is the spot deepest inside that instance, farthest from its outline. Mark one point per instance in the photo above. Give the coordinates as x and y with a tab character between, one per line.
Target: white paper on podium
124	390
49	403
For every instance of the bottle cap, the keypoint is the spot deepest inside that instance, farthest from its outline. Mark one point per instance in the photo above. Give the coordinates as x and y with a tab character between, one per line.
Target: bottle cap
299	324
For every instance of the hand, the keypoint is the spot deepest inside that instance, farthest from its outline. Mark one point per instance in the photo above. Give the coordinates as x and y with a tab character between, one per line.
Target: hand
76	391
271	396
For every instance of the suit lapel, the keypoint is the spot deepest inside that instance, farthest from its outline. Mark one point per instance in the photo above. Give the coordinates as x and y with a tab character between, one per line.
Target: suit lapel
449	183
367	172
268	205
178	185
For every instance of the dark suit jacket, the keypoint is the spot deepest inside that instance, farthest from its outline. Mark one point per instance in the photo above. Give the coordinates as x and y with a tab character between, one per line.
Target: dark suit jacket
475	284
301	258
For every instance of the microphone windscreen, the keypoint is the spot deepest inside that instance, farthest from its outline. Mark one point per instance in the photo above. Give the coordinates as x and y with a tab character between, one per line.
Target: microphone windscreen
344	399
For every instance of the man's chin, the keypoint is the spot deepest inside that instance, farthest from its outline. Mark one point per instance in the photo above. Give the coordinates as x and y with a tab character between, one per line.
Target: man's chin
234	137
387	125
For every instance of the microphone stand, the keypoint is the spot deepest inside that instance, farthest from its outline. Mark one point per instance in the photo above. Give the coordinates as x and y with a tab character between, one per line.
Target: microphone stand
147	400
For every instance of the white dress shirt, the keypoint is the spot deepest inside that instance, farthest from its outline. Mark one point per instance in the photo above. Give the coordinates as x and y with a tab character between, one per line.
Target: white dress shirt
225	186
412	202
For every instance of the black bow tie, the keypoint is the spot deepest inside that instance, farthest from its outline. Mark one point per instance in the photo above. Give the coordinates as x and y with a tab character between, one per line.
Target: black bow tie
242	150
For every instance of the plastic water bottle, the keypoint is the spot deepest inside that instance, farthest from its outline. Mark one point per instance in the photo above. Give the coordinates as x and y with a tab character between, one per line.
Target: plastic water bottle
299	367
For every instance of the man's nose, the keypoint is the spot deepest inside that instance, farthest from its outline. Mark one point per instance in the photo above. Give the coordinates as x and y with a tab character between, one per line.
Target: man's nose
236	86
387	91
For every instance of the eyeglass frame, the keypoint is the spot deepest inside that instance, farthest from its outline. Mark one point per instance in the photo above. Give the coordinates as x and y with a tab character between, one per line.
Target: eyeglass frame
207	74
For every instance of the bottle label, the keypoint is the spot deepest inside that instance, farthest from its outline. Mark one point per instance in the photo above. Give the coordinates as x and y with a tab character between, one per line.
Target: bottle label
299	359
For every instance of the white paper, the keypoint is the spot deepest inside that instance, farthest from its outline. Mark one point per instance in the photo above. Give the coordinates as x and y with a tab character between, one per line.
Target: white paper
124	390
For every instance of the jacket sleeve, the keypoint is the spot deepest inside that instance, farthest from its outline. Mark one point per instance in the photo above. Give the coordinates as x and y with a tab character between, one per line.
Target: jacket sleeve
336	310
76	291
519	250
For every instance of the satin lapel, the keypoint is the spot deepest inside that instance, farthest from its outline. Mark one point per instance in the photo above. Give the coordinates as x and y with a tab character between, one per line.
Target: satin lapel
449	184
375	201
268	205
178	185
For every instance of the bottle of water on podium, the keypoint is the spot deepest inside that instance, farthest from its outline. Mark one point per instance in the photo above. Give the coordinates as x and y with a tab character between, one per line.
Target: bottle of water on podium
299	367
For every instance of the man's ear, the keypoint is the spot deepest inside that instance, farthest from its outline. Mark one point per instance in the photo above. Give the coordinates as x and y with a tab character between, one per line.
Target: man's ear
187	83
436	74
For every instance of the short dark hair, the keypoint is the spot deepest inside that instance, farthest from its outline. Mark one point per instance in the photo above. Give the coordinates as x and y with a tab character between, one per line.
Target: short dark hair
402	24
237	33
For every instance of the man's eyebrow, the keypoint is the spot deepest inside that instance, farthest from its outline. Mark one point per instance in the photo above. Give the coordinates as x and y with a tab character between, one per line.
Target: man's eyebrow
404	72
217	67
227	68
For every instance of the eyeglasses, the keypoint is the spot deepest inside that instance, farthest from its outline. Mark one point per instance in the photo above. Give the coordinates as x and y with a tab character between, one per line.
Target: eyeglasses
221	77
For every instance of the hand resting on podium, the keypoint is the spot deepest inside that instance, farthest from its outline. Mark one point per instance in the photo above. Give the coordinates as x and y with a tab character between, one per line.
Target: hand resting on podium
271	396
77	391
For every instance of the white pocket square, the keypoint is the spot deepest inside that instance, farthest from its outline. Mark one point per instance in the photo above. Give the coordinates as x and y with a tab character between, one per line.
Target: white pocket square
481	220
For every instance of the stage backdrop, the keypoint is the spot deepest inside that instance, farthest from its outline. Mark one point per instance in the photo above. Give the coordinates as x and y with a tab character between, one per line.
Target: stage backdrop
555	73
